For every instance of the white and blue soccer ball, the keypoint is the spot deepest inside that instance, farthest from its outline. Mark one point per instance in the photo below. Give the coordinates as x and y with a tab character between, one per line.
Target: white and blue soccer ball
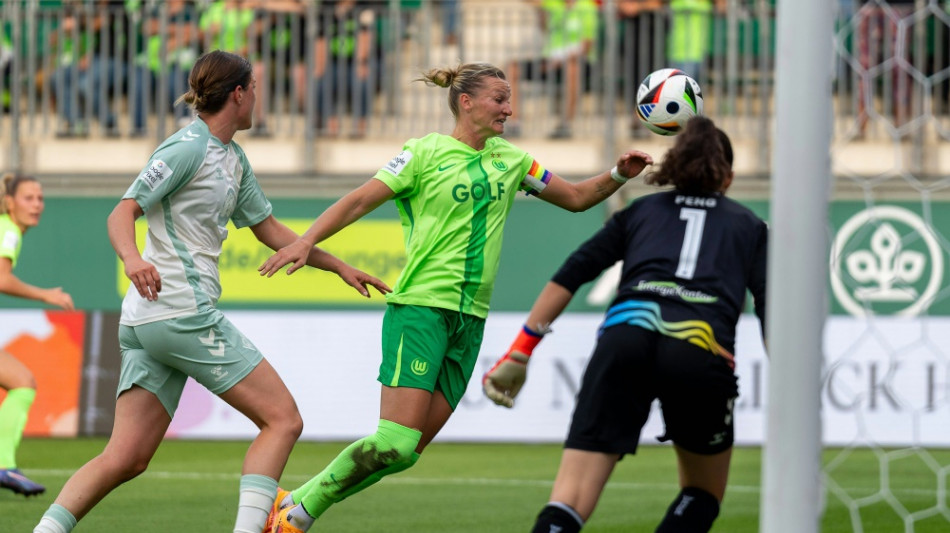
667	99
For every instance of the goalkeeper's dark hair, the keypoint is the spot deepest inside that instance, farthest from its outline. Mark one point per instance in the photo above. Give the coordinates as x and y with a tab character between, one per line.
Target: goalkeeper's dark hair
9	184
700	161
462	79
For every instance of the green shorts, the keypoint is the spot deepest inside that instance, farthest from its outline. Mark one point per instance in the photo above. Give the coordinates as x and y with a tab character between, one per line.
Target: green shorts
160	356
430	348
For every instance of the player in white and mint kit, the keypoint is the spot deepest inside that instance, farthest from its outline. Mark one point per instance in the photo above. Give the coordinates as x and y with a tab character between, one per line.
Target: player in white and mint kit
21	206
193	185
454	193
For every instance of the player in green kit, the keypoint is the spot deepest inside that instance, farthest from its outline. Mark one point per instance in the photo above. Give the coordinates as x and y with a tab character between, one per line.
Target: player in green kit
20	209
453	193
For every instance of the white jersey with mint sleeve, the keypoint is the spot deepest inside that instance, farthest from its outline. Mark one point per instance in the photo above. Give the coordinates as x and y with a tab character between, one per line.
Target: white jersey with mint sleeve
193	184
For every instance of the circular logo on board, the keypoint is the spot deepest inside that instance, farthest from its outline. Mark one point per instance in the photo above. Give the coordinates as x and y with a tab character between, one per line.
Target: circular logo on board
885	260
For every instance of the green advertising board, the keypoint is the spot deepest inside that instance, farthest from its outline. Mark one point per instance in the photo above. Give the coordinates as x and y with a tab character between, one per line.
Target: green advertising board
70	248
885	259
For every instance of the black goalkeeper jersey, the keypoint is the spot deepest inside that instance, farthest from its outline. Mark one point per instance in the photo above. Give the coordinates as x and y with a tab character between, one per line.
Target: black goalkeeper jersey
687	262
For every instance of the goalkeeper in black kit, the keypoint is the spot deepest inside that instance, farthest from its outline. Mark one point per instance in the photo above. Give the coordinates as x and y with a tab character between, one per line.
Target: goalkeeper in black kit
689	255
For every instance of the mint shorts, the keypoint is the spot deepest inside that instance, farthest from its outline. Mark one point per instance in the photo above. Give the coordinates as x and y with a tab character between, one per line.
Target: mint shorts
430	348
160	356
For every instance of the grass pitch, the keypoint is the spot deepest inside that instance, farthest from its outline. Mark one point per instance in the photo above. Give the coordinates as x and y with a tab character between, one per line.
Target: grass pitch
192	486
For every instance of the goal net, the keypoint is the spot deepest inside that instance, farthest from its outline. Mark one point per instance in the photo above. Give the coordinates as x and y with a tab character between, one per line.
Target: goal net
885	374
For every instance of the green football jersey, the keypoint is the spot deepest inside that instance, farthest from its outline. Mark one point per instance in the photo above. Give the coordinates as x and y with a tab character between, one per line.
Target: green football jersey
453	201
10	239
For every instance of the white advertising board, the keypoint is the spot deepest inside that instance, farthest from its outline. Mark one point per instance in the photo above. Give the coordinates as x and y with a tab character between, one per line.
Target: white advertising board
886	380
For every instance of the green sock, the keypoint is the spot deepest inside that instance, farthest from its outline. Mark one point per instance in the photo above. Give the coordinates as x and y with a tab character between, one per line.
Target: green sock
388	451
13	413
393	469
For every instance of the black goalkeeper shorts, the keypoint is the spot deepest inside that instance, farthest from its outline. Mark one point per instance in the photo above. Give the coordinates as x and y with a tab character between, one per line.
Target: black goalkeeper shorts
632	366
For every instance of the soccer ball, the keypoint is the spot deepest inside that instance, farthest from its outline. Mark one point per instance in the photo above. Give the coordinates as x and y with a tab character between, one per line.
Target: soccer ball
666	99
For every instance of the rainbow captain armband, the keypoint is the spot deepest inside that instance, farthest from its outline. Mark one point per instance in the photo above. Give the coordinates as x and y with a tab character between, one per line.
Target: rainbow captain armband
536	179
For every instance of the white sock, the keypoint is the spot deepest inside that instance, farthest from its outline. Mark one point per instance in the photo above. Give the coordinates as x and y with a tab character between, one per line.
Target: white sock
48	525
299	518
254	503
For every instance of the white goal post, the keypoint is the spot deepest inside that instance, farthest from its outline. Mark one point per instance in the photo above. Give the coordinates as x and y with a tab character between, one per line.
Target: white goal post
798	266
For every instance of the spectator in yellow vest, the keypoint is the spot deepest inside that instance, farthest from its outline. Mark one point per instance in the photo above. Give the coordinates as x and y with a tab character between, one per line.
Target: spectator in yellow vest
570	28
690	23
341	58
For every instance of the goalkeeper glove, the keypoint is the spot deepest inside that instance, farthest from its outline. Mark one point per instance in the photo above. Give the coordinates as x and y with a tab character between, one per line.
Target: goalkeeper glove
503	382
